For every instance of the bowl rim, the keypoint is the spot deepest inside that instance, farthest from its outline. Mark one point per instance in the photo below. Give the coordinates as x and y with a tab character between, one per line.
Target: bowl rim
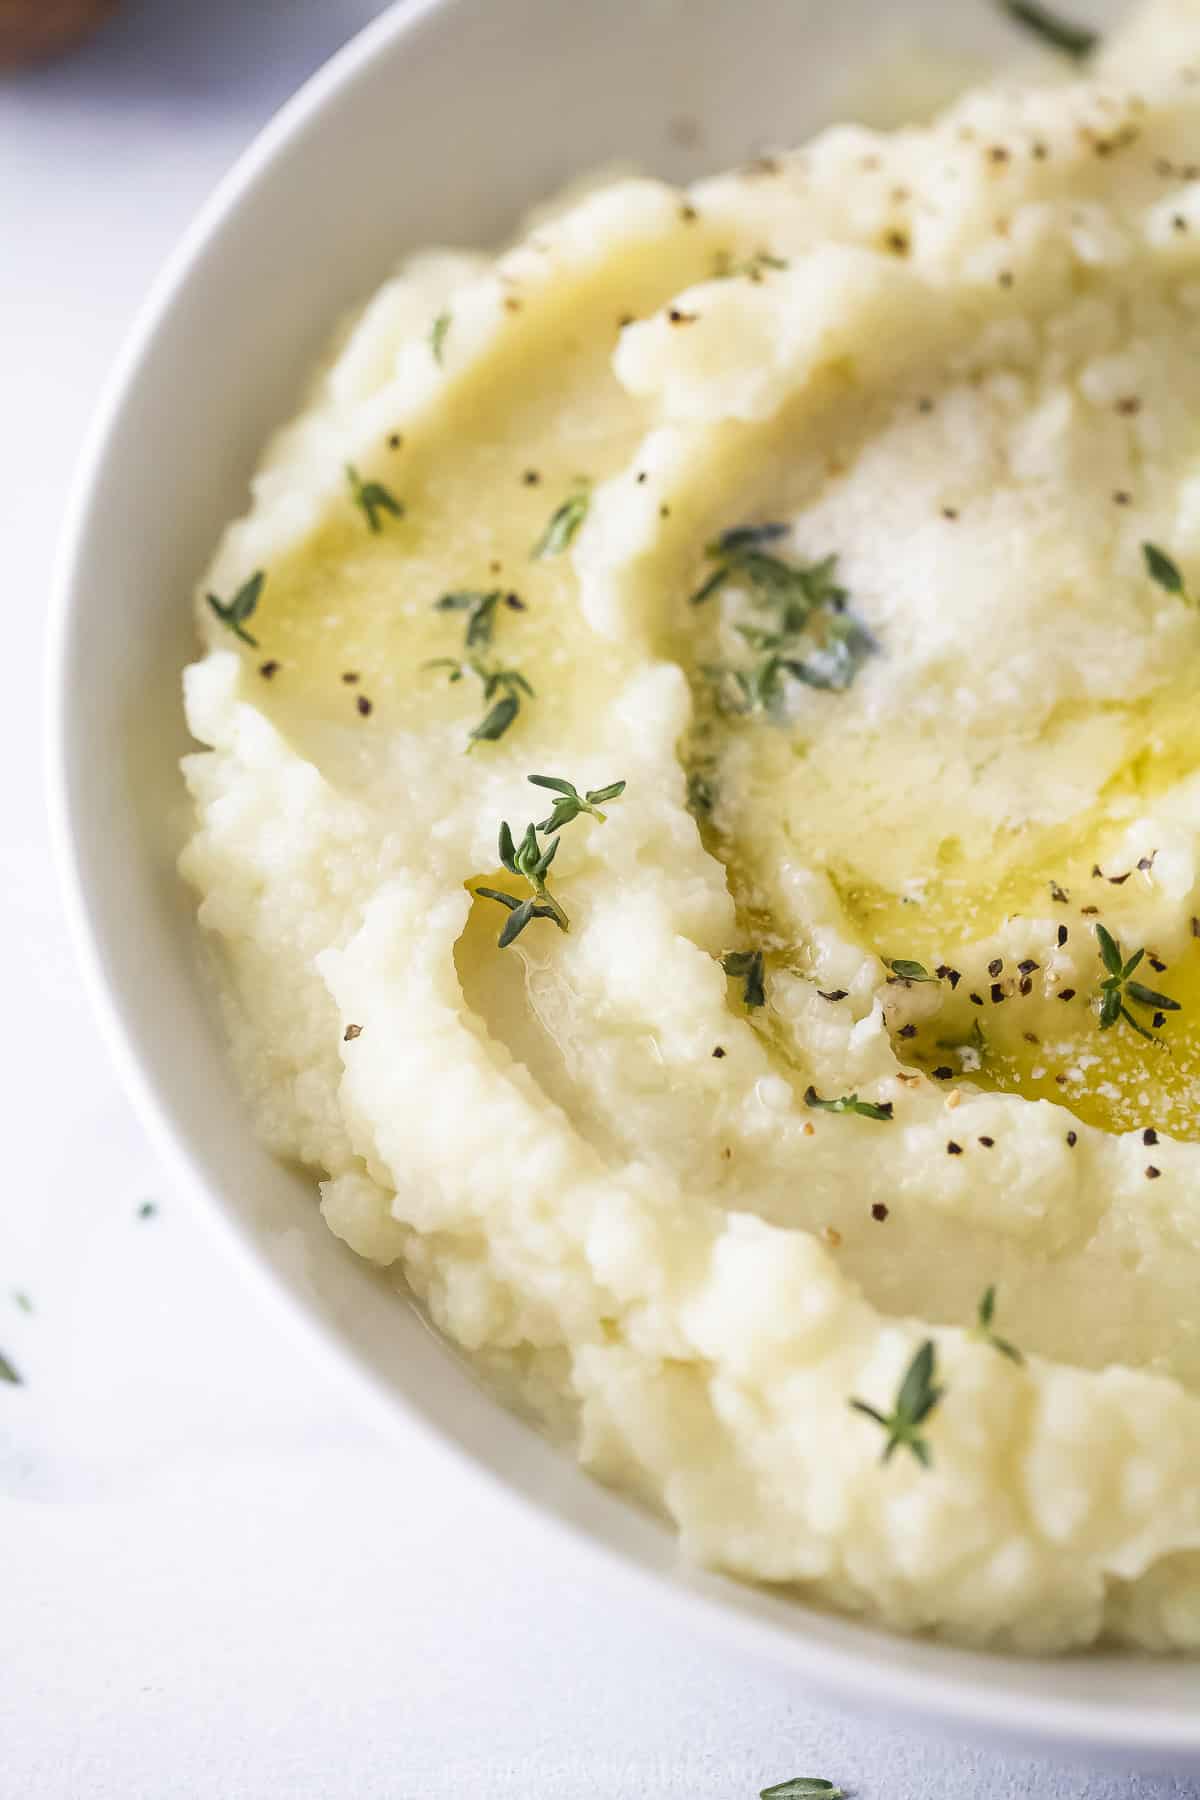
874	1671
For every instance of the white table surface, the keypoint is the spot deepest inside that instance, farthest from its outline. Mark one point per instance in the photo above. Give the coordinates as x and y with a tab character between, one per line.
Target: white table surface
214	1583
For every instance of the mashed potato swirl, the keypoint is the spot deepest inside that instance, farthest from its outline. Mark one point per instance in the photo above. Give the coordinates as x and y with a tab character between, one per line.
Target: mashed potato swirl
944	384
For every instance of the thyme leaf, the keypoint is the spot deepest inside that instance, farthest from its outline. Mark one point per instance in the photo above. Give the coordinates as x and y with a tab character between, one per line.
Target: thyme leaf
908	971
1061	34
1164	570
372	498
983	1328
235	612
918	1395
8	1372
753	267
437	335
564	522
850	1103
569	802
803	1787
746	966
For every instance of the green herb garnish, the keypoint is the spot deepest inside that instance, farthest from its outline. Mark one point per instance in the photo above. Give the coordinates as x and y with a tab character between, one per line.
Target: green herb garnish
1118	988
701	791
8	1373
510	685
503	687
147	1209
373	499
530	860
746	966
849	1103
570	802
1061	34
21	1299
803	1787
915	1401
908	971
235	612
480	609
752	267
437	335
565	521
807	631
983	1328
974	1040
1164	570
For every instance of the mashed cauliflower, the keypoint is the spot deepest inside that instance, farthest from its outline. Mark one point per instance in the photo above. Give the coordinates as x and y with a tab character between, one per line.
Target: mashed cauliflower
842	508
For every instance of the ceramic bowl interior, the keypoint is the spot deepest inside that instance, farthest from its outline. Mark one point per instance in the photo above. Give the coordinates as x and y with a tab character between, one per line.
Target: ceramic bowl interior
440	124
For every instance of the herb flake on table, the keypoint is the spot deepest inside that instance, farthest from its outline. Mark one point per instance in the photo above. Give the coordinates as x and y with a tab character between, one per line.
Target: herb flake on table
1118	988
1059	33
563	523
1165	571
850	1103
21	1299
983	1328
803	1787
372	499
916	1399
148	1209
746	966
8	1373
235	612
805	630
569	802
531	861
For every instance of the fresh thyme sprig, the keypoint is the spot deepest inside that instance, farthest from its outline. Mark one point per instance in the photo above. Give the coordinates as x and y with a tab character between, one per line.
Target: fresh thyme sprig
235	612
904	970
746	966
803	1787
1164	570
850	1103
531	861
502	687
372	499
569	802
1061	34
564	522
1118	988
916	1399
808	632
983	1328
437	335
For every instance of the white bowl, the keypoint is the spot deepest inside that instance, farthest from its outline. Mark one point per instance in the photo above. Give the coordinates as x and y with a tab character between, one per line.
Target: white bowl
439	123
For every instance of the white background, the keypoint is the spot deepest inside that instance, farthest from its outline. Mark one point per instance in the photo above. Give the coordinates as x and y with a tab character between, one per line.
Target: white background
213	1582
